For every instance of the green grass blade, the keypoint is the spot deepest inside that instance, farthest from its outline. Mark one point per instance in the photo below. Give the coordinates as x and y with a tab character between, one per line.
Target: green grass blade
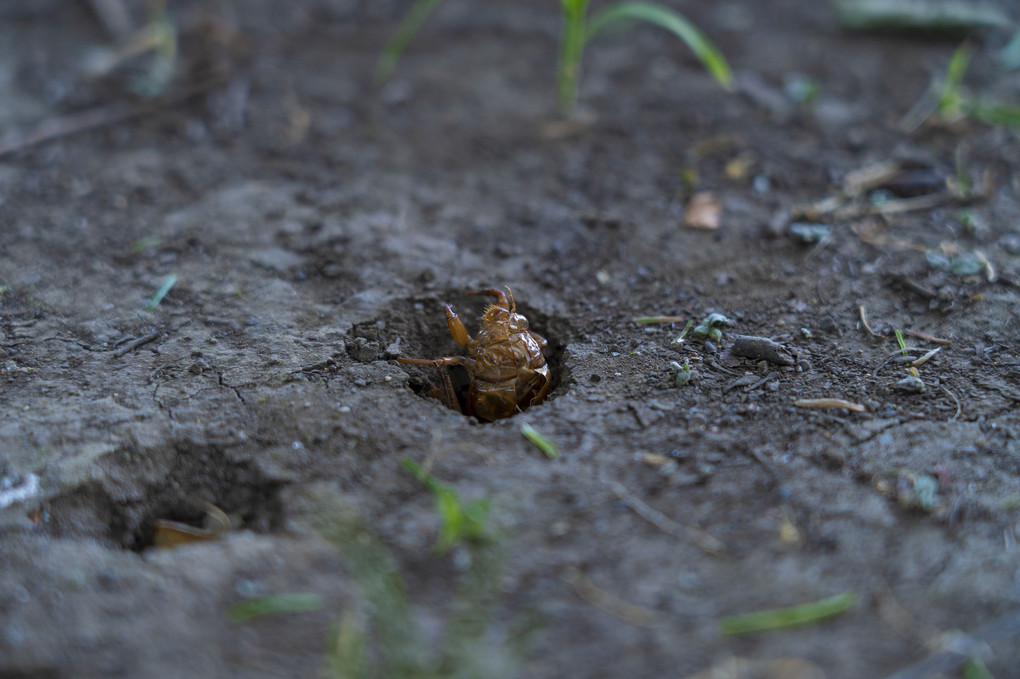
405	31
459	521
949	99
975	669
431	482
168	283
572	39
992	114
273	605
673	22
784	618
544	444
345	657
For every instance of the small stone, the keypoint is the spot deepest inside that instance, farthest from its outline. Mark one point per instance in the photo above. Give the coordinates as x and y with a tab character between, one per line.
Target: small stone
910	384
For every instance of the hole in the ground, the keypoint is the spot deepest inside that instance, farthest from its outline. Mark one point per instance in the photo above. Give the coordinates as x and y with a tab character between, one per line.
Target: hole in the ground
425	335
194	475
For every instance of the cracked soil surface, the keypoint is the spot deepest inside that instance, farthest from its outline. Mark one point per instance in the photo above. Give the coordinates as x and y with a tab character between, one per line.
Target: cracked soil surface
316	226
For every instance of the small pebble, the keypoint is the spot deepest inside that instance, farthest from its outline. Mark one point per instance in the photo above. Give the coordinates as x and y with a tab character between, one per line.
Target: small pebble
910	384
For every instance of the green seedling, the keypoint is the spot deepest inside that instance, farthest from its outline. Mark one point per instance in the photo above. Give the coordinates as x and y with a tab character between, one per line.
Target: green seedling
163	37
168	283
810	233
460	522
544	444
381	638
578	28
786	618
971	221
967	264
143	244
800	88
298	602
955	103
951	97
687	328
711	327
682	372
901	341
975	668
401	37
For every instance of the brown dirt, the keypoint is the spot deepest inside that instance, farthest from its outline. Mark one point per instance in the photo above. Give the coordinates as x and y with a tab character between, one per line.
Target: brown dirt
316	226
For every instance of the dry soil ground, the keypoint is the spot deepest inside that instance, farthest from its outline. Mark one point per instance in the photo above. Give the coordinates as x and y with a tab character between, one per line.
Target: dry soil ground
316	226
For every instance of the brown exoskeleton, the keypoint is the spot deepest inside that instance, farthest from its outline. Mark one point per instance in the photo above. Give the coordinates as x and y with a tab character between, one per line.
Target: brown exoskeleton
505	364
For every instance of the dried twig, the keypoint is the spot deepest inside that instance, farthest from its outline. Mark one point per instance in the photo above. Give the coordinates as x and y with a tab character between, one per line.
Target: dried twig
928	338
864	321
73	123
610	603
135	343
661	521
959	408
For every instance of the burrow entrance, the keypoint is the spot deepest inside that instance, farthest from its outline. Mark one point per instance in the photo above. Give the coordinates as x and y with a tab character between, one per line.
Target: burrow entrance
420	325
196	476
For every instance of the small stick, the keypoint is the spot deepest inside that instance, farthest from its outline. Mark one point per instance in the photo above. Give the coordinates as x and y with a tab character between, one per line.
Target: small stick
610	603
63	126
902	205
699	537
959	408
830	403
135	343
864	321
924	359
765	464
928	338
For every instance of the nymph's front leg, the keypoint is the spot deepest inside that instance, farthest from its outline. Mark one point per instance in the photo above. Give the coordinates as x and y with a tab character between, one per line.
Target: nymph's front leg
500	296
468	363
457	329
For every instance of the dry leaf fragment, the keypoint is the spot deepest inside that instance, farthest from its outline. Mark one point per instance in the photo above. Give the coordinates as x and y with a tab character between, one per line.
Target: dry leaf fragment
740	166
169	534
703	211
